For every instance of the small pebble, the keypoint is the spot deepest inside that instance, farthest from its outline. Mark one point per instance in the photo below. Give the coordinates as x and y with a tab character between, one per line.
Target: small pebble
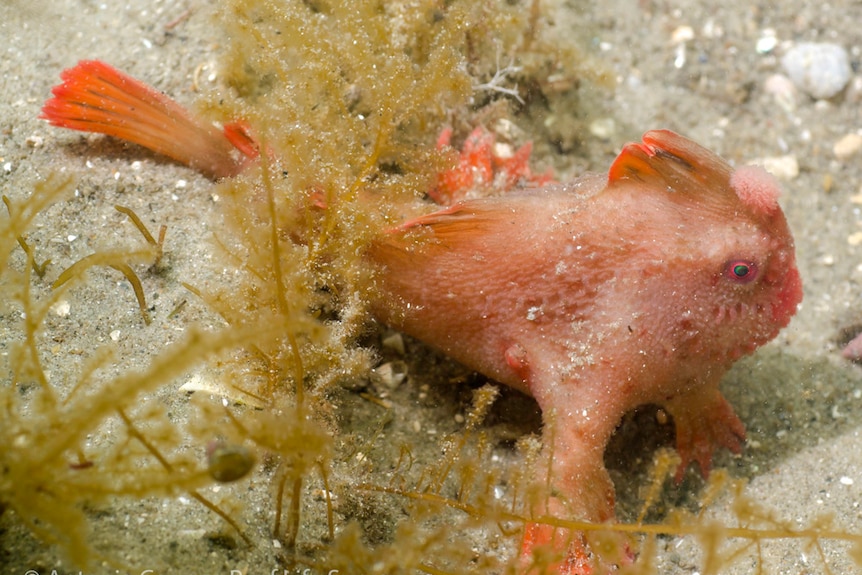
61	308
712	30
781	88
767	42
828	182
853	95
682	34
679	58
821	70
508	130
603	128
228	462
323	495
782	167
503	150
847	146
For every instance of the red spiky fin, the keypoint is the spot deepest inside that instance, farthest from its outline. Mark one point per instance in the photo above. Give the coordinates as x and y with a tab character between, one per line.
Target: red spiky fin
672	163
239	134
667	161
95	97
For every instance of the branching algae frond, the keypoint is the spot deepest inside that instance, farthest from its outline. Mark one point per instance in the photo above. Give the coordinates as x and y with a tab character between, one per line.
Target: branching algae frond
48	472
346	100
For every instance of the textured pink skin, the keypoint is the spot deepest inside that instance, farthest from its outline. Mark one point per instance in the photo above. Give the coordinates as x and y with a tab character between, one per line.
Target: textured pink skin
600	295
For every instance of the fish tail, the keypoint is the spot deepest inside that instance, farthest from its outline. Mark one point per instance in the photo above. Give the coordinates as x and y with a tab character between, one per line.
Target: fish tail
95	97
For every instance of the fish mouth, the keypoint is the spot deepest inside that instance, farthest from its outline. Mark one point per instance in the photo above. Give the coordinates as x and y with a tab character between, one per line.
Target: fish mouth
738	312
788	299
767	319
782	306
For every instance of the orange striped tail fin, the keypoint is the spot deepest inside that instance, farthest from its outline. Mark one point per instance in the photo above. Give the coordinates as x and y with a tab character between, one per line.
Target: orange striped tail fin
95	97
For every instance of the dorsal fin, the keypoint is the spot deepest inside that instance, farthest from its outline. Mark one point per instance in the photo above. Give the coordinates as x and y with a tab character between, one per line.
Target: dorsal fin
673	163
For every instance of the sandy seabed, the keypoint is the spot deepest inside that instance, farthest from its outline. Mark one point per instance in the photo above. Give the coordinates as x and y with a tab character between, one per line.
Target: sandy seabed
685	65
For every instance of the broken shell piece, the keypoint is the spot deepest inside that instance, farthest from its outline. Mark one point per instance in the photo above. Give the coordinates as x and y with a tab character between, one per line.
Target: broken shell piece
395	342
390	374
200	383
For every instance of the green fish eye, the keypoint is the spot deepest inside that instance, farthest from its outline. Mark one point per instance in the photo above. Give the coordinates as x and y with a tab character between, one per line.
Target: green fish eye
741	271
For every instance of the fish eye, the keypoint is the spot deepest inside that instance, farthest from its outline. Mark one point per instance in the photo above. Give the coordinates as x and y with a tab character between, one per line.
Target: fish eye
741	271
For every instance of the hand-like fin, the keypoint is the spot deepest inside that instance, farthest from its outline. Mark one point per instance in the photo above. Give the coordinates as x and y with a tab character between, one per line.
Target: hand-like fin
453	217
447	229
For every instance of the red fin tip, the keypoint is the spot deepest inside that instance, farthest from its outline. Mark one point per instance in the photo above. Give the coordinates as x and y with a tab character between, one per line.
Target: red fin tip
95	97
